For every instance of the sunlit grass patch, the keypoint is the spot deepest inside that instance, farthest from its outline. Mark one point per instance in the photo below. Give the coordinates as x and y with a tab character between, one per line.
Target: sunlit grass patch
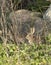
25	54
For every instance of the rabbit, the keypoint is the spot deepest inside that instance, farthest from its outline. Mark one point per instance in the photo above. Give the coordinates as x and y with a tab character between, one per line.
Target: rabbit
25	23
20	23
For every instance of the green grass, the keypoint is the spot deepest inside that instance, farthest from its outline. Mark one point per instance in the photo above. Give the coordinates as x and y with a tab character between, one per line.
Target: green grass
25	54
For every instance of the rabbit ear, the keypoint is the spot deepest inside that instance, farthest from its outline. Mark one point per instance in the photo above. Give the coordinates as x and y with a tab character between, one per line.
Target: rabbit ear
32	30
0	32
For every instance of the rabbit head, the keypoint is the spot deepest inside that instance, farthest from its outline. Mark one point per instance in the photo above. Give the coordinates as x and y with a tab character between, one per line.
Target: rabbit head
30	36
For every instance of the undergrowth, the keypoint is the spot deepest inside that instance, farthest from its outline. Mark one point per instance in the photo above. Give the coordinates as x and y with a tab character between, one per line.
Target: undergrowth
25	54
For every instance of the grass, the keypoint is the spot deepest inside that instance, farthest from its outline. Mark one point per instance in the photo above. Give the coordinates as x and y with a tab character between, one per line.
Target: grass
25	54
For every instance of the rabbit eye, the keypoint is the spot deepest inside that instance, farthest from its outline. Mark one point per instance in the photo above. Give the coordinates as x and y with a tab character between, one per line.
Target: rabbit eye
29	35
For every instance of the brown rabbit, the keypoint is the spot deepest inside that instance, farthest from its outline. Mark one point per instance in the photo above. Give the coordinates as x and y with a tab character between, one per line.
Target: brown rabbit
22	22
